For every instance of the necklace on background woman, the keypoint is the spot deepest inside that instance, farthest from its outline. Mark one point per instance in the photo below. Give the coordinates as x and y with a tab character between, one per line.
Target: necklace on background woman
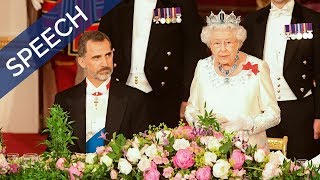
227	73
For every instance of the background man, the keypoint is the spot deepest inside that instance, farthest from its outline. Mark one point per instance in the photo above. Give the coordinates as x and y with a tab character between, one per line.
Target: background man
157	46
294	61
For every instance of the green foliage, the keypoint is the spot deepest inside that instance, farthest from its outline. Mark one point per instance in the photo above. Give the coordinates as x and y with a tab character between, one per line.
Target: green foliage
116	144
39	170
209	121
60	134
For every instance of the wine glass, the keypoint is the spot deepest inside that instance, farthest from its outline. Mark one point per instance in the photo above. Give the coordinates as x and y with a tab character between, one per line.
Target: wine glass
13	158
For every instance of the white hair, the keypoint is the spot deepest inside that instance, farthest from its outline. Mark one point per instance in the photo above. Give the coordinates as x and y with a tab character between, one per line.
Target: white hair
239	32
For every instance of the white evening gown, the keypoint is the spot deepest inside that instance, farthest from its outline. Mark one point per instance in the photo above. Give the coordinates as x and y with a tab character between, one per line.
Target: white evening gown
247	94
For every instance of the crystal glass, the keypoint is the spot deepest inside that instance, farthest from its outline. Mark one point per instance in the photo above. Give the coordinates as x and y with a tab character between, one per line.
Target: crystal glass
13	158
301	161
30	158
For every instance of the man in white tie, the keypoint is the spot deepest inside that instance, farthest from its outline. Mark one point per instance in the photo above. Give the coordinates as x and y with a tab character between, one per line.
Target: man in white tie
287	36
158	46
96	105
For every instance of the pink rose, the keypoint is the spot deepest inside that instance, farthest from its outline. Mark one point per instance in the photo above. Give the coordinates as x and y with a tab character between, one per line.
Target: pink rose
237	159
167	172
238	173
204	173
108	149
165	161
100	150
178	176
60	163
184	132
151	174
14	168
80	165
218	135
157	160
113	174
294	167
183	159
73	171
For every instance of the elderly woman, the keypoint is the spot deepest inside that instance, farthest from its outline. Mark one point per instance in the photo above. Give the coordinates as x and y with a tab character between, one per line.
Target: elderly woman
235	85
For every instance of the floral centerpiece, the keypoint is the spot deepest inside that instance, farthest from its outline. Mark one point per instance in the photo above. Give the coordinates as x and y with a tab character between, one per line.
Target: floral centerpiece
201	153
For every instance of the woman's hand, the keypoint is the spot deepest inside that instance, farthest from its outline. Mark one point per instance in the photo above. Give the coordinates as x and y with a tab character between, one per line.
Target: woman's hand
235	123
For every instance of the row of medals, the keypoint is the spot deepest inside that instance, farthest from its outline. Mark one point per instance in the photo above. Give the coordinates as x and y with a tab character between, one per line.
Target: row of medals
299	31
167	15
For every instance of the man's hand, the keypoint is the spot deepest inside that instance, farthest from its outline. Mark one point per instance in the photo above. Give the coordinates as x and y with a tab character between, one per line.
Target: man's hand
316	129
183	109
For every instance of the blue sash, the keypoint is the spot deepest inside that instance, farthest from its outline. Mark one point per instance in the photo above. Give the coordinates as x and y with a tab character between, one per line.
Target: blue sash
95	142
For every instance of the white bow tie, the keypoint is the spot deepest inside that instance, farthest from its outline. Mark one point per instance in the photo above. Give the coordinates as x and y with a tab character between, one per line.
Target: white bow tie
279	12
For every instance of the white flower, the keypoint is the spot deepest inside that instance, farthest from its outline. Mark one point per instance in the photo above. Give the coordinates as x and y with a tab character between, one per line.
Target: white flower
276	158
106	160
133	155
270	170
90	158
204	140
181	144
136	142
221	169
161	136
209	158
238	144
213	143
144	163
151	151
124	166
259	155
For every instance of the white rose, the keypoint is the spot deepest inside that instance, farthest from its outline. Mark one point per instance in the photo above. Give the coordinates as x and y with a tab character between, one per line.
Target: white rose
151	151
270	170
133	155
276	157
259	155
221	169
213	143
106	160
161	136
90	158
204	140
144	163
124	166
180	144
209	158
136	142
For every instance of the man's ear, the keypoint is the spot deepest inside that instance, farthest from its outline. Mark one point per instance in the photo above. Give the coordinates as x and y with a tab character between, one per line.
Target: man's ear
81	62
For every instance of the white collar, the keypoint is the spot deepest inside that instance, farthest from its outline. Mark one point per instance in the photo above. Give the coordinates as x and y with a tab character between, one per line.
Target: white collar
288	7
103	89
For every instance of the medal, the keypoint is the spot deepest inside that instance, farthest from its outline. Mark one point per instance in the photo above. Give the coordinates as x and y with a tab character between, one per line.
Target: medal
304	30
178	11
293	32
156	16
173	12
287	31
168	19
299	29
309	30
162	16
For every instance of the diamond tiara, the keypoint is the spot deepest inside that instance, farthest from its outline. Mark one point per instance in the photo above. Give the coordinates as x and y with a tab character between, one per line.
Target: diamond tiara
223	18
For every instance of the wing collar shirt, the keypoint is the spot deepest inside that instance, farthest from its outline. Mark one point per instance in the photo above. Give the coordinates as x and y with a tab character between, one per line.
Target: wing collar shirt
96	107
275	48
142	20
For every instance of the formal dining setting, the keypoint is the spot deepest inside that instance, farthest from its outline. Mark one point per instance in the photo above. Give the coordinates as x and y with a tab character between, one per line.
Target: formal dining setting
168	89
